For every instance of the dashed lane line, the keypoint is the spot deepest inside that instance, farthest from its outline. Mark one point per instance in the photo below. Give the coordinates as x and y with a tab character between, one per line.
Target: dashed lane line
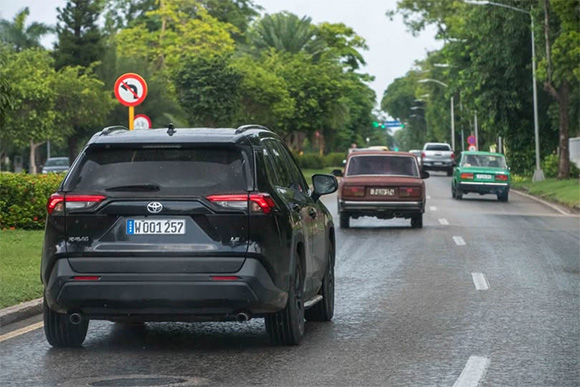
21	331
459	241
433	208
480	281
428	197
444	222
473	373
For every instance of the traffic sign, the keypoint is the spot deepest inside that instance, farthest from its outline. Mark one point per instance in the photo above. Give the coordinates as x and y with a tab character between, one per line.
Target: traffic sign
471	140
472	148
393	124
130	89
141	121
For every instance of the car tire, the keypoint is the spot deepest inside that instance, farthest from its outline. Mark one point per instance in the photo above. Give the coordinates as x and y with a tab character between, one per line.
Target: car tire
450	172
503	197
324	310
344	220
417	221
60	332
458	193
286	327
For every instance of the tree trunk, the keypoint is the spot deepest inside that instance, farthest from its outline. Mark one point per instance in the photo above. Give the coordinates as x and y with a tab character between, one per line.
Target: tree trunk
32	157
72	143
564	157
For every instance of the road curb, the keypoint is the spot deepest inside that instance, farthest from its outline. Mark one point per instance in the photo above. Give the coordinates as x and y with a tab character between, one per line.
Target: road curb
553	206
20	312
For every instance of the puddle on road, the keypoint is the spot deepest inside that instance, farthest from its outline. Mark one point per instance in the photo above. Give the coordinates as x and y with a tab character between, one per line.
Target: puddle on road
140	381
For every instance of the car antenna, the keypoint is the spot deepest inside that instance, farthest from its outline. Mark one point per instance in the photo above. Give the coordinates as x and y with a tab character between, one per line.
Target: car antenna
170	129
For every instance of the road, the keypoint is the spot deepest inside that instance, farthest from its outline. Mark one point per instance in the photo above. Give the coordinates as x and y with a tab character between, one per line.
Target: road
486	291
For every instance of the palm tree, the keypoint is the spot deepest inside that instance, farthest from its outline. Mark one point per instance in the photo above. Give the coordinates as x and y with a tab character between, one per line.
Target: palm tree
16	35
286	32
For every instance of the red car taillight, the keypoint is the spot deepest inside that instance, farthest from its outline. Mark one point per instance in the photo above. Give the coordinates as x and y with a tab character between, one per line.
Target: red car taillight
410	191
353	190
422	154
501	177
468	176
58	203
258	202
452	156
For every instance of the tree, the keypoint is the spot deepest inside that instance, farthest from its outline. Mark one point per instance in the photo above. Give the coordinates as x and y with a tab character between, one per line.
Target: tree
32	121
560	67
341	41
80	41
239	13
16	35
6	103
208	89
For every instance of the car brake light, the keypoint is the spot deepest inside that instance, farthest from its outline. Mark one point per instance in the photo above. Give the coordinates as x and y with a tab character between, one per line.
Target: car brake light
353	191
258	202
468	176
452	156
410	191
58	203
501	177
225	278
422	154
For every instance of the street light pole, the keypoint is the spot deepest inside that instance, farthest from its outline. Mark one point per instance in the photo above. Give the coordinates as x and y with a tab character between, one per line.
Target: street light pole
452	115
538	173
475	126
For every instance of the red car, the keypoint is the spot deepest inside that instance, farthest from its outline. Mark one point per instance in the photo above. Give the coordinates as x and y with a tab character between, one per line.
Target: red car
382	184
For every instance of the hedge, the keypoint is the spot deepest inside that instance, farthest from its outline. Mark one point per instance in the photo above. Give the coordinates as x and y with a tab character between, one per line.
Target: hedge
315	161
23	199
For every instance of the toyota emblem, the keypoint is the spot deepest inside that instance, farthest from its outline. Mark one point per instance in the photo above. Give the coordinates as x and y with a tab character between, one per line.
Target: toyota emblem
154	207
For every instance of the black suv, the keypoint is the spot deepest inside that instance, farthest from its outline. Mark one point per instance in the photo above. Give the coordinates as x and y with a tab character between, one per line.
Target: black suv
187	225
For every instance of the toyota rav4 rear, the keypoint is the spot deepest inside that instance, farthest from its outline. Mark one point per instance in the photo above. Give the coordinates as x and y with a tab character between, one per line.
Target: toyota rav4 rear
146	229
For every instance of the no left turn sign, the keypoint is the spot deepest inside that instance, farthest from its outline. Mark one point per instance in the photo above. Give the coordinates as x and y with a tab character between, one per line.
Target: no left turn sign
130	89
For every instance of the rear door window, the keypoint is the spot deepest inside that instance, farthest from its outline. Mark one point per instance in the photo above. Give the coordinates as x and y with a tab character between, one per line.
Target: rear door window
183	171
440	147
382	165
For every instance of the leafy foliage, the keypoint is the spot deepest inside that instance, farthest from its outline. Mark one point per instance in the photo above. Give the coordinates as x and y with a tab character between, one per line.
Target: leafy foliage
16	35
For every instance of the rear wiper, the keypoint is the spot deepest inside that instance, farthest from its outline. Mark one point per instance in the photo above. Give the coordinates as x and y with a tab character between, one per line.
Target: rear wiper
135	187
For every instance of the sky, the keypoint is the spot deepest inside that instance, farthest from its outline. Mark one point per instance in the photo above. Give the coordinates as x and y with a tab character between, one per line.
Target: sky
392	48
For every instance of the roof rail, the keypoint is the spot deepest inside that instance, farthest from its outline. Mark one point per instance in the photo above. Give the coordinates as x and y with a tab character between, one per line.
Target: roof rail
243	128
111	129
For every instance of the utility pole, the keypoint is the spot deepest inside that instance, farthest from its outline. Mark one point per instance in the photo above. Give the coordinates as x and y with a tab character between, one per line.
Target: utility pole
452	126
476	135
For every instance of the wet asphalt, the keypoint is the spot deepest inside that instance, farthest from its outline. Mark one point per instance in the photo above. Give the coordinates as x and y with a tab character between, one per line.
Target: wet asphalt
407	313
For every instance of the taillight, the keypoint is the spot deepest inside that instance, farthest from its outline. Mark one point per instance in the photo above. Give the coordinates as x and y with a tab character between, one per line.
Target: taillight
410	191
57	203
468	176
258	202
224	278
86	278
452	156
501	177
351	190
422	155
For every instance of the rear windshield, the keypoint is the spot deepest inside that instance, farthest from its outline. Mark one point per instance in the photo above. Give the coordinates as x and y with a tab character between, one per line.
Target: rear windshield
191	171
382	165
440	147
487	161
56	163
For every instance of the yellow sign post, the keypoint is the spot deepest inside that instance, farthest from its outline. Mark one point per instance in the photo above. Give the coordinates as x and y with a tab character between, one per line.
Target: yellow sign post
131	90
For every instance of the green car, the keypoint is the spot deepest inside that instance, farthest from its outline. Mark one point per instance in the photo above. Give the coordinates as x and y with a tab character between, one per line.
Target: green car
482	173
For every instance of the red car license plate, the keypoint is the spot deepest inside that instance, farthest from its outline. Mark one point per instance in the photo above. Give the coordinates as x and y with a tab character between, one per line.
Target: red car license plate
382	191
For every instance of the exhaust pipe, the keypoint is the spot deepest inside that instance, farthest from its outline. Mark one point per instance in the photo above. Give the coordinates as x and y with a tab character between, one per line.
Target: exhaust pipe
75	318
242	317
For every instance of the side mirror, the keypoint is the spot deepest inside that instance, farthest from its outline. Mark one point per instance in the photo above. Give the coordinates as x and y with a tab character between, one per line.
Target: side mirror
424	175
323	185
337	172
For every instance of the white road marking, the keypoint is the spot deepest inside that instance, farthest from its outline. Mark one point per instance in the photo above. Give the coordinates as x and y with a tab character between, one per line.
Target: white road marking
428	197
444	222
459	241
432	208
473	373
21	331
480	281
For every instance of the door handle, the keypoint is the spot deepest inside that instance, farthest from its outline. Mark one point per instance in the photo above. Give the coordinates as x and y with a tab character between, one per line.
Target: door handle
312	212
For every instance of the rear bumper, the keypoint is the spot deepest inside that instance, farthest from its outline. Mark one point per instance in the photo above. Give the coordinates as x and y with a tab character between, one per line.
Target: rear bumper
378	208
484	188
164	297
437	165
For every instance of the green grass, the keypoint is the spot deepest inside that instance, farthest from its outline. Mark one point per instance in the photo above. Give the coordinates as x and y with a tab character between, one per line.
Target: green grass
565	192
20	266
309	172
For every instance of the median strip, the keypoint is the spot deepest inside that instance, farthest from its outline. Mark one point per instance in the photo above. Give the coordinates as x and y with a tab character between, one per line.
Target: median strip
480	281
473	373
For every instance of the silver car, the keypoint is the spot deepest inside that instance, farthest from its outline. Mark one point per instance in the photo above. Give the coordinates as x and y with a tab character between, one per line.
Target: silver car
56	165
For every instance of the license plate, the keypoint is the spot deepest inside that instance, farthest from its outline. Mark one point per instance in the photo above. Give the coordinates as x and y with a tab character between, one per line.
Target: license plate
382	191
484	177
438	163
157	226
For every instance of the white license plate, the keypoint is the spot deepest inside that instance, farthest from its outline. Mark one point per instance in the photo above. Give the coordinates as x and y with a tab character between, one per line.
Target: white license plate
438	163
382	191
157	226
484	177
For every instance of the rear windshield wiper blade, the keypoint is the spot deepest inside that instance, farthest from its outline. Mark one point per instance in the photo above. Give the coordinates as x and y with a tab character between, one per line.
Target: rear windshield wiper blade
135	187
